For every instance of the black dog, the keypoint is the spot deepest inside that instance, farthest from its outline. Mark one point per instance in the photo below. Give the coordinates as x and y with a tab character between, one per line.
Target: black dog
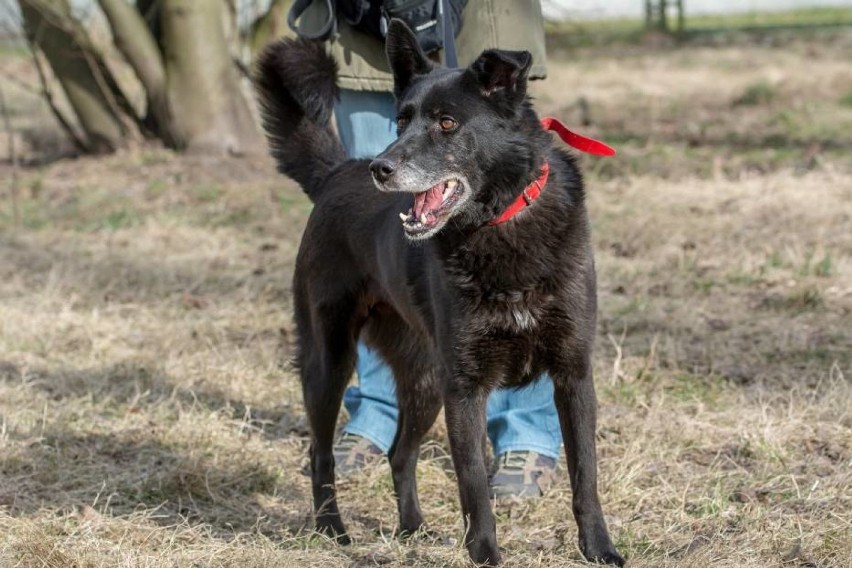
456	304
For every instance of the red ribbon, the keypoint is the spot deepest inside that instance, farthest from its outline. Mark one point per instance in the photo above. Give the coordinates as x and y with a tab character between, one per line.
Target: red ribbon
533	190
578	141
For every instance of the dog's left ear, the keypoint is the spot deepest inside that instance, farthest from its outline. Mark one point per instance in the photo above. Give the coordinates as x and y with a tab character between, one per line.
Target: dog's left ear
405	57
502	70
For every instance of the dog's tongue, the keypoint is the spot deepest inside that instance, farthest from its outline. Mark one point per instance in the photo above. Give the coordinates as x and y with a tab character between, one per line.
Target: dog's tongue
428	200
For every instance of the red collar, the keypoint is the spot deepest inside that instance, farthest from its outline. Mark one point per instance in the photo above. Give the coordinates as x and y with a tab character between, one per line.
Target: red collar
533	190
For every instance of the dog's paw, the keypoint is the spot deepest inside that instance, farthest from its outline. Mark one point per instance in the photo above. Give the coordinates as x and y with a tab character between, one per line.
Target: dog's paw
484	553
333	528
596	545
603	554
611	558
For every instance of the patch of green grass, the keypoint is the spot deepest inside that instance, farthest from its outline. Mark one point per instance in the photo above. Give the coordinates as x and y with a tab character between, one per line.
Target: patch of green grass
205	193
634	305
822	268
818	16
823	355
83	210
626	393
633	544
760	93
690	388
704	285
774	261
156	188
805	299
809	298
236	217
766	451
707	506
846	100
573	33
119	219
290	202
14	50
154	157
742	278
33	215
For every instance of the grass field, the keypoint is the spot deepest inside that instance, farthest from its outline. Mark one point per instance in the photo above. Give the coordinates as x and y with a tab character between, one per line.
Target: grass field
711	27
147	417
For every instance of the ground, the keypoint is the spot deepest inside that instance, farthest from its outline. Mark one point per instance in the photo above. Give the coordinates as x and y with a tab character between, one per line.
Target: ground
148	416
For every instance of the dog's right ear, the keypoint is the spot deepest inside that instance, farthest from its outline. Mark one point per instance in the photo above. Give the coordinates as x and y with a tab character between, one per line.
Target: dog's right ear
499	70
405	57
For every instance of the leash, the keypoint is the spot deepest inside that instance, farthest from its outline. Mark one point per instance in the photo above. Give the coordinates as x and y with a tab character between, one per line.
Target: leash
451	58
533	190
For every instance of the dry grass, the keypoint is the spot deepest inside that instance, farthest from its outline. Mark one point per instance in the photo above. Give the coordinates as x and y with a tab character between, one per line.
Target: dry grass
145	419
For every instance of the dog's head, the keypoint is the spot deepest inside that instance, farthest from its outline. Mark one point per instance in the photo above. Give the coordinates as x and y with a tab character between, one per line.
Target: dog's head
463	134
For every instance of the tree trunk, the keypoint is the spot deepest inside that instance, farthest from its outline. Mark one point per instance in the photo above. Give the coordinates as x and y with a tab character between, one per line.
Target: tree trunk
270	26
209	111
88	86
135	41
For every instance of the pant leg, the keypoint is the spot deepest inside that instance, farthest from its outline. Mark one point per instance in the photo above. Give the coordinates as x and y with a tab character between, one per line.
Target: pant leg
524	419
372	408
365	122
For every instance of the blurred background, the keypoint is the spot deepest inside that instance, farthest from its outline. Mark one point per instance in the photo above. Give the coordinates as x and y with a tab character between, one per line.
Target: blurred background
148	416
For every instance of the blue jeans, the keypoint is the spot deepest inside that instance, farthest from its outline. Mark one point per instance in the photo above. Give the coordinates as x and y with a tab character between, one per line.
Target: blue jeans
518	419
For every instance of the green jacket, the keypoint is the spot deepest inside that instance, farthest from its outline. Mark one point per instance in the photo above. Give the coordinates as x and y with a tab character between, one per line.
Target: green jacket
504	24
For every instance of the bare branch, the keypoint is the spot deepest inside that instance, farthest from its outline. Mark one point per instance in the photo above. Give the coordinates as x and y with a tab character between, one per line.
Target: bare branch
137	44
47	93
13	160
104	115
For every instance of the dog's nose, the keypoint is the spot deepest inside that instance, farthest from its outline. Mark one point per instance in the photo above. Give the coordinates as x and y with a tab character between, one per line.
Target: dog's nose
382	169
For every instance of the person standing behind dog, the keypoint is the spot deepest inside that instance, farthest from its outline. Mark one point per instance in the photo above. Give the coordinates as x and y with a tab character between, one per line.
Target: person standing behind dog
523	425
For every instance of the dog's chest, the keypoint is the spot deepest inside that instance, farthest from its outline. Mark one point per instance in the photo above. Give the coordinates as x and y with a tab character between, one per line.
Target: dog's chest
513	312
498	338
493	303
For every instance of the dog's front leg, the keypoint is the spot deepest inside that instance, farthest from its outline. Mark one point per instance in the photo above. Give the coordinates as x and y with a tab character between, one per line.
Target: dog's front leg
574	395
465	413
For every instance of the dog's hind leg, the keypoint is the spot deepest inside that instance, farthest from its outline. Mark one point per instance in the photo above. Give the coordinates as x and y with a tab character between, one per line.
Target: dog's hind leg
575	400
327	357
418	394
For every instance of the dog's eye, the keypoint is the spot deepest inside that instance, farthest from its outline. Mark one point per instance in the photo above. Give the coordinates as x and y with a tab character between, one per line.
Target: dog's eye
448	123
401	122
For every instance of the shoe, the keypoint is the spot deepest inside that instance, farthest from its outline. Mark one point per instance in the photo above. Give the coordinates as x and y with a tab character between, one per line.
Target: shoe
353	452
522	474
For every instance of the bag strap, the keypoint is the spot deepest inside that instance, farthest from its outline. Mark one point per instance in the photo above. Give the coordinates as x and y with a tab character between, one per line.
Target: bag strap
451	59
326	31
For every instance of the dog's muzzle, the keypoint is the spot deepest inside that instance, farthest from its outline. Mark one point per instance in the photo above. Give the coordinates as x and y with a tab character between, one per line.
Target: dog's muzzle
382	170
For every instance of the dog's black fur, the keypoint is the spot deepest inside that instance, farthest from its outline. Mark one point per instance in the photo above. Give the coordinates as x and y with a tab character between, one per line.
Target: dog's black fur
456	307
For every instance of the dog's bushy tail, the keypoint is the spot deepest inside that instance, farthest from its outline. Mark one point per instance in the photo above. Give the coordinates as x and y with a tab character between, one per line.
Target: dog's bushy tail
296	83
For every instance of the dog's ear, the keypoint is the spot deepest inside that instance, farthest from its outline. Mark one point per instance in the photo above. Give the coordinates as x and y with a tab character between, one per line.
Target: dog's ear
501	70
405	57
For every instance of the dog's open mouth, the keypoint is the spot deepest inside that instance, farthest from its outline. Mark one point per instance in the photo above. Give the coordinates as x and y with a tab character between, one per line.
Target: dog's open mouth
432	207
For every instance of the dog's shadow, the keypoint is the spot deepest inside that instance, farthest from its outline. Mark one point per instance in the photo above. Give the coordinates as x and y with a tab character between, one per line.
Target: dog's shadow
142	463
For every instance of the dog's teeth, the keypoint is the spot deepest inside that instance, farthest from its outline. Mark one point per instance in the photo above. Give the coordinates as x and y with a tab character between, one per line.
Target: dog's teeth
423	218
404	217
452	184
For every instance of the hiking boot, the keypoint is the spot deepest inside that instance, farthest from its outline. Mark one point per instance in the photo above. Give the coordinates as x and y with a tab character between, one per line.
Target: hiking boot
522	474
353	452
